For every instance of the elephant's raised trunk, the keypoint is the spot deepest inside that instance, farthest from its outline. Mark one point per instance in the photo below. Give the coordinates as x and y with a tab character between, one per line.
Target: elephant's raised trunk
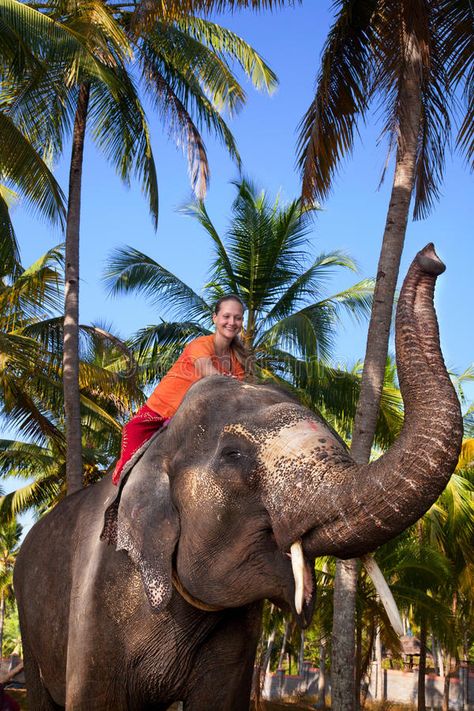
356	508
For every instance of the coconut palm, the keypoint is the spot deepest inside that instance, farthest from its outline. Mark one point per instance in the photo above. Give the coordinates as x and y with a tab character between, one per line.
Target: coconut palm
107	399
10	534
449	528
411	57
27	297
290	321
30	42
31	394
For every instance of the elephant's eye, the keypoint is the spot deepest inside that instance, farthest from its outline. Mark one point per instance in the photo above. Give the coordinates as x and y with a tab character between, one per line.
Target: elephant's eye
231	453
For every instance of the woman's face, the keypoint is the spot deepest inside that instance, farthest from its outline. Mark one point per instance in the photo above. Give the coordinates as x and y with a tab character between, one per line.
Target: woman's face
228	320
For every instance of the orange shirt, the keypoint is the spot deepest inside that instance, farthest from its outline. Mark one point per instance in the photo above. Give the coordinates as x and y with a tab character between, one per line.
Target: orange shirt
170	391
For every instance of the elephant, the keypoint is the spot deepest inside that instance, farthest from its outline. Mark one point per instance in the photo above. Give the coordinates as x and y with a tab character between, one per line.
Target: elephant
137	597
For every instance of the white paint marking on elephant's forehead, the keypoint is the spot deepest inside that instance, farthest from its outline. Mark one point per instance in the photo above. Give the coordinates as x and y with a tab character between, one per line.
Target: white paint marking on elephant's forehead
296	440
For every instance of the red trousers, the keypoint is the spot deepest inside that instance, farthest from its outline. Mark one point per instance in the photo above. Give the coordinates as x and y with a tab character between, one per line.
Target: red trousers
137	431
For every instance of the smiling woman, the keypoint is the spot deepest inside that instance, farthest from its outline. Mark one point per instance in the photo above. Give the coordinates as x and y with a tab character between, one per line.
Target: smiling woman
220	353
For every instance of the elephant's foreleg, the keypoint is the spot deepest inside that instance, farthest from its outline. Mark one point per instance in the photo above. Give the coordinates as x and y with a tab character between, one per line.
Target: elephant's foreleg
221	680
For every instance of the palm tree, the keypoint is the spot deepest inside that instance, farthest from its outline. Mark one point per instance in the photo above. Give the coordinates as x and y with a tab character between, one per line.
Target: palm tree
31	394
184	63
449	527
29	41
27	296
411	57
290	322
10	534
107	399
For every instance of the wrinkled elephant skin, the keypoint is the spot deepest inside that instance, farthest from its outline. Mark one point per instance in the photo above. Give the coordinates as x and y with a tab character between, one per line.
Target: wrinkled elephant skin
138	598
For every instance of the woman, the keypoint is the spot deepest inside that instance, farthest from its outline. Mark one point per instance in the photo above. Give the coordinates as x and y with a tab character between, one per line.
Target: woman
220	353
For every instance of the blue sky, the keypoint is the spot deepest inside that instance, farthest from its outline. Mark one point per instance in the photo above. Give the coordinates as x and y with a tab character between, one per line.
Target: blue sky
352	219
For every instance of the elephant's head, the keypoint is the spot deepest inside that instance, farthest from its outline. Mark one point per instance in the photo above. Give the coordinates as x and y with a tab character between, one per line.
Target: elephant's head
246	486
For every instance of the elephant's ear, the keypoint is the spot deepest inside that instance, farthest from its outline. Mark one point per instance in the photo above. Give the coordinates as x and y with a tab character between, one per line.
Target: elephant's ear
143	521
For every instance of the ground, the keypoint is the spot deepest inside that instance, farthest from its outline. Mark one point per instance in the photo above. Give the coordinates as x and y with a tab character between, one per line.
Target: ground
20	696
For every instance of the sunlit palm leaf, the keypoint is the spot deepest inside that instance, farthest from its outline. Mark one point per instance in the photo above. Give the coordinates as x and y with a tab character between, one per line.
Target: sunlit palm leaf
356	300
310	285
27	417
129	271
34	293
309	331
25	459
29	36
16	352
120	130
223	269
38	495
199	65
177	94
9	249
466	458
146	12
227	43
22	166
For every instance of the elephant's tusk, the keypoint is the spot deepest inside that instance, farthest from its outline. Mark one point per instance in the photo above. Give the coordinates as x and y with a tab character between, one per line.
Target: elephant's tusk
297	564
384	593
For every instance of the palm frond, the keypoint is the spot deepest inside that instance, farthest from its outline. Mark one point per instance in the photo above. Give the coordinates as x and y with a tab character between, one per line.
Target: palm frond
35	292
326	132
26	416
466	458
23	167
229	45
146	13
120	130
131	271
357	300
25	459
310	284
9	249
456	27
308	332
30	37
152	339
185	53
223	263
39	494
177	94
95	23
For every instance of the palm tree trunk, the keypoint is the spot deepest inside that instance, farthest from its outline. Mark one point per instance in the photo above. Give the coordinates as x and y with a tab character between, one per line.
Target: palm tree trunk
377	348
446	685
358	660
301	654
389	261
2	621
262	668
283	644
71	300
321	702
422	666
343	636
369	653
379	695
268	652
